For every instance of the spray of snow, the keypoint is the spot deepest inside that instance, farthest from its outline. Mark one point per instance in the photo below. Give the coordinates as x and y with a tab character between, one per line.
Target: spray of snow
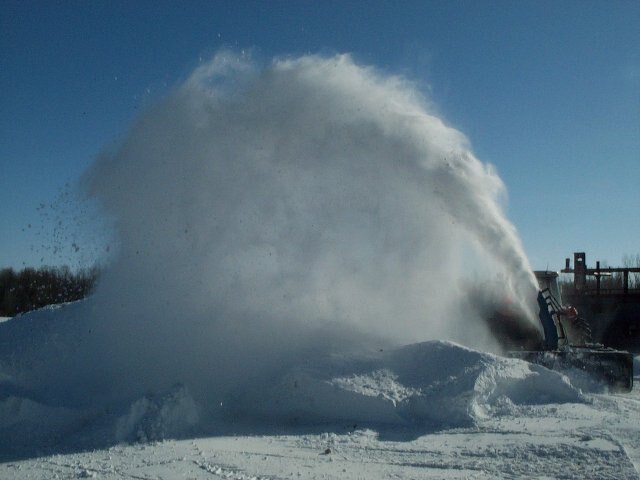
299	207
267	215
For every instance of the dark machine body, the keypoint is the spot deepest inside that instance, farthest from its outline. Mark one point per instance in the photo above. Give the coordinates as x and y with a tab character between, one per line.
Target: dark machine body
567	342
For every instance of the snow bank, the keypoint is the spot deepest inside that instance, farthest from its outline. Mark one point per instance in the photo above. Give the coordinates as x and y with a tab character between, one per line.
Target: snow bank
433	384
26	424
427	385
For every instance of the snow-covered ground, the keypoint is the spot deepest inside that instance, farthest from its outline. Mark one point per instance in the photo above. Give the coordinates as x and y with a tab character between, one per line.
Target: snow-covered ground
593	441
428	410
596	439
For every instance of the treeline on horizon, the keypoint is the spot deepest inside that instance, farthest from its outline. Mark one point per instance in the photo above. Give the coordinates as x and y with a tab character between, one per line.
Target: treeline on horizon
32	288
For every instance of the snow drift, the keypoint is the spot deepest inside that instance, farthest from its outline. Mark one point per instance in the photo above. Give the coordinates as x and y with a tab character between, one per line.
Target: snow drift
431	385
425	386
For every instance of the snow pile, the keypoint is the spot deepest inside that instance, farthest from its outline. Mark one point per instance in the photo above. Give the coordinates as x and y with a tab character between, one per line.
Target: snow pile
425	386
26	424
433	384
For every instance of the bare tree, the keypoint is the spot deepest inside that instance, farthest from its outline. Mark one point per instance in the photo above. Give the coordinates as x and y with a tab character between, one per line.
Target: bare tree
632	261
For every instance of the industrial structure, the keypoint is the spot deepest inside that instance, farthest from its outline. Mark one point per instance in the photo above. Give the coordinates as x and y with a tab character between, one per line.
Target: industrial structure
608	299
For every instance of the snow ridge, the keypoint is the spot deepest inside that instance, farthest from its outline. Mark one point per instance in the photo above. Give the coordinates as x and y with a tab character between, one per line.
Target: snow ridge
427	386
432	384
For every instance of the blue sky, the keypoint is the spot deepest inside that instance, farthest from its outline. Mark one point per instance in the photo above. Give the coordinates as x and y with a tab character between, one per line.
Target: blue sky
546	91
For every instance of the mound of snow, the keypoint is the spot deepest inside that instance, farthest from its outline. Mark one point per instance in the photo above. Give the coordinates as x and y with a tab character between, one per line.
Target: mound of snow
26	424
47	398
432	384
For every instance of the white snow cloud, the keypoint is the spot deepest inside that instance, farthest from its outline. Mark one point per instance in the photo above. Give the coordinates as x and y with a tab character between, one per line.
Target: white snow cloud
302	206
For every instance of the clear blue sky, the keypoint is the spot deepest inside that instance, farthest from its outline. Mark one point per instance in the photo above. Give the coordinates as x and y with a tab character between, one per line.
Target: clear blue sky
547	91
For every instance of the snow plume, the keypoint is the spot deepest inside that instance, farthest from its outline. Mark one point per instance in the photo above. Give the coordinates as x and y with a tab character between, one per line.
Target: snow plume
265	213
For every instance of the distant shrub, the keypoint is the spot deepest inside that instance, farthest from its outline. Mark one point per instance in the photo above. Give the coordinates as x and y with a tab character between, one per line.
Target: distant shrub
31	288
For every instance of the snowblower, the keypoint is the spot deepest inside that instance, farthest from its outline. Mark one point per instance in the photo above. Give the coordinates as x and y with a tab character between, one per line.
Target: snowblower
567	345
